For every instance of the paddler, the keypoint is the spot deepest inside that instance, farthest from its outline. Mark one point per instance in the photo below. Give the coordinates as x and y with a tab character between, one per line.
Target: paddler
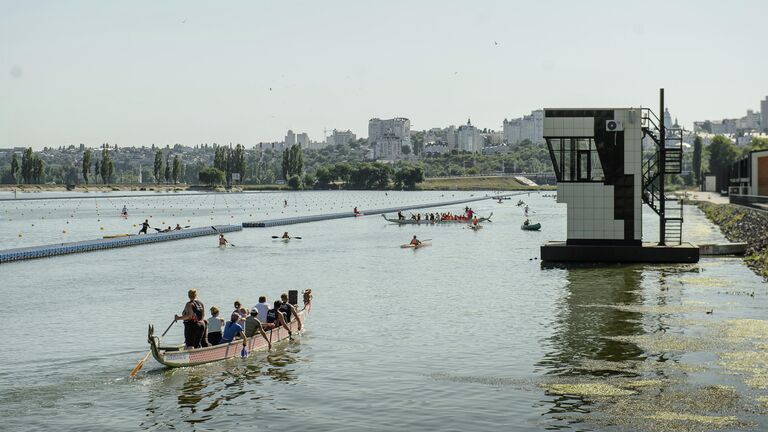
474	221
125	211
286	236
355	210
144	227
222	240
415	241
193	316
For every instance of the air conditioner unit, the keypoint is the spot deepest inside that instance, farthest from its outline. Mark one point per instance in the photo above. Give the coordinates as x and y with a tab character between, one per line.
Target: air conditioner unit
614	126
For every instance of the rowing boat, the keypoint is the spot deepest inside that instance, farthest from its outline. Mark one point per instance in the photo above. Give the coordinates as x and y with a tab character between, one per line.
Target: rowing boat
418	246
429	222
178	356
531	227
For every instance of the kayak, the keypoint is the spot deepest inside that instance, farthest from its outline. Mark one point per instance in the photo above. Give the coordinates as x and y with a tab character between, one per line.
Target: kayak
410	246
475	227
531	227
358	214
179	356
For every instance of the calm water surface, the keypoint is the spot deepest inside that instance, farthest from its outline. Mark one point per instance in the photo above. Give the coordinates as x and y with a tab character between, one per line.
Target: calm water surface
469	334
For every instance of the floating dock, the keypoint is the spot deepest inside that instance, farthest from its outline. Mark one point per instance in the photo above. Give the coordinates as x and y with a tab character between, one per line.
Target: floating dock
366	212
33	252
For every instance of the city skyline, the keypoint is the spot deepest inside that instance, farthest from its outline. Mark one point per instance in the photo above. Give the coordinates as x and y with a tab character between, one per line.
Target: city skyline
174	72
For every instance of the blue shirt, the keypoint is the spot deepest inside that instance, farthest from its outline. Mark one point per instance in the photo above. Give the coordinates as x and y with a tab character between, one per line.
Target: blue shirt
230	331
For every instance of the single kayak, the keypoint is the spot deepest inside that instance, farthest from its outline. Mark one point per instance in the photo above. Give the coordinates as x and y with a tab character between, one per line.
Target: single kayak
475	227
410	246
531	227
117	235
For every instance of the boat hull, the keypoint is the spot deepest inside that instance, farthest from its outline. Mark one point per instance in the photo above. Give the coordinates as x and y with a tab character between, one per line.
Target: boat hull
180	357
429	222
531	227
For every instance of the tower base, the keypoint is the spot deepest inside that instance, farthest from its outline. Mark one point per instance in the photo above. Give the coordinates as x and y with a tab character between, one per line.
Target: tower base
647	253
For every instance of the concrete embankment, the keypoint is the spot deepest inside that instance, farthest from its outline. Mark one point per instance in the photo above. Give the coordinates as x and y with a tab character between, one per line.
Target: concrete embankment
743	224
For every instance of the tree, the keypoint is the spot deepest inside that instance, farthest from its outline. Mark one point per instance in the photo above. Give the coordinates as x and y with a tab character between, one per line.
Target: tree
37	169
238	161
756	143
97	169
405	149
722	153
324	177
107	169
86	164
211	176
176	169
309	181
294	182
696	163
407	176
158	166
14	168
26	165
167	171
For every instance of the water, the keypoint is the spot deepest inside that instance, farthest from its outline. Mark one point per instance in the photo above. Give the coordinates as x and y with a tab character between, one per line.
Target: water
469	334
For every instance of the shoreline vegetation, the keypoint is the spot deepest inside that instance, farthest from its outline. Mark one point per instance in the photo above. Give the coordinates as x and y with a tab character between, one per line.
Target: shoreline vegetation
743	224
500	183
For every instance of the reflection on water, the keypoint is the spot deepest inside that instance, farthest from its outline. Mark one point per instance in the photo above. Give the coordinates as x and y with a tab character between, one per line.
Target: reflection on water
580	331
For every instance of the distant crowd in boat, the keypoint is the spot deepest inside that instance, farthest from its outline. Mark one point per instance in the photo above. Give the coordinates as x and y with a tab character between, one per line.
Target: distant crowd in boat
469	215
200	331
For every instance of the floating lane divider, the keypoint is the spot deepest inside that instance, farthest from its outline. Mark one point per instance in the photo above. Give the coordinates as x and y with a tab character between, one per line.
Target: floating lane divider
329	216
33	252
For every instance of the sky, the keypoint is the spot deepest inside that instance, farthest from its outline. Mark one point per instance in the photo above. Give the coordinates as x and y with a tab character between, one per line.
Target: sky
138	73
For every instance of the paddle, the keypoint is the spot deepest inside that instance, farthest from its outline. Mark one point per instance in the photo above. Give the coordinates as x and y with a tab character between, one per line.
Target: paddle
278	237
141	363
217	232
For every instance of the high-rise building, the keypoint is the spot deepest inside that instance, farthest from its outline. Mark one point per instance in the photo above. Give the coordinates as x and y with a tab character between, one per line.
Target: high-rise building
387	137
530	127
302	140
290	138
340	137
468	138
764	114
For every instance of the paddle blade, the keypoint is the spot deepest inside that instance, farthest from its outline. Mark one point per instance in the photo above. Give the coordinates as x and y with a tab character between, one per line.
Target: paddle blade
244	352
139	365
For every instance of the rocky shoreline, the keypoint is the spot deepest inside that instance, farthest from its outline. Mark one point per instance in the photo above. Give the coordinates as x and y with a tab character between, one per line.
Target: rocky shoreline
742	224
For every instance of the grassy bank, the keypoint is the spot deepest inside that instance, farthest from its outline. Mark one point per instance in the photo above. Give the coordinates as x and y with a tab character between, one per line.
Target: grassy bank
478	183
743	225
95	187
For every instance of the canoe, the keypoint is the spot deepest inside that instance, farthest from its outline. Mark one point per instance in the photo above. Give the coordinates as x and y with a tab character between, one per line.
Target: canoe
410	246
531	227
429	222
475	227
178	356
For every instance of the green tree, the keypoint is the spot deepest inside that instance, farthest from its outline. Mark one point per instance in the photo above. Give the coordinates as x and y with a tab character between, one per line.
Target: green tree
176	169
294	182
696	162
107	169
211	176
14	168
37	169
238	161
27	165
722	153
86	164
158	166
167	171
324	177
96	169
407	176
756	143
309	181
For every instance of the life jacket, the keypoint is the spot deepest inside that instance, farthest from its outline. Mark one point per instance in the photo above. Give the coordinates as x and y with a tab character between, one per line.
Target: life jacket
198	309
271	316
284	308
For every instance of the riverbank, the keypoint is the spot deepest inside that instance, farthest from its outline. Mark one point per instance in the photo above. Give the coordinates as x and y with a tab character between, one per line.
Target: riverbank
32	188
479	183
743	224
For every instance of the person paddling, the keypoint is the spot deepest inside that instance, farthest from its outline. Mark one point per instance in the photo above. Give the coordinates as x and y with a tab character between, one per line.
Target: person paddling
415	241
222	241
286	236
194	324
125	211
355	210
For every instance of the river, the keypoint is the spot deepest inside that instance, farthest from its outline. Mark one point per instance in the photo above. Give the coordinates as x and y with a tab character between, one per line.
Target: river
469	334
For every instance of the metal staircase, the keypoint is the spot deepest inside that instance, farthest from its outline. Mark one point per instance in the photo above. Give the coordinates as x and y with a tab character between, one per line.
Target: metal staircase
667	159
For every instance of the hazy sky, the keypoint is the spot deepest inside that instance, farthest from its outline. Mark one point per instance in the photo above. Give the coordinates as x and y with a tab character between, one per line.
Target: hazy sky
137	73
